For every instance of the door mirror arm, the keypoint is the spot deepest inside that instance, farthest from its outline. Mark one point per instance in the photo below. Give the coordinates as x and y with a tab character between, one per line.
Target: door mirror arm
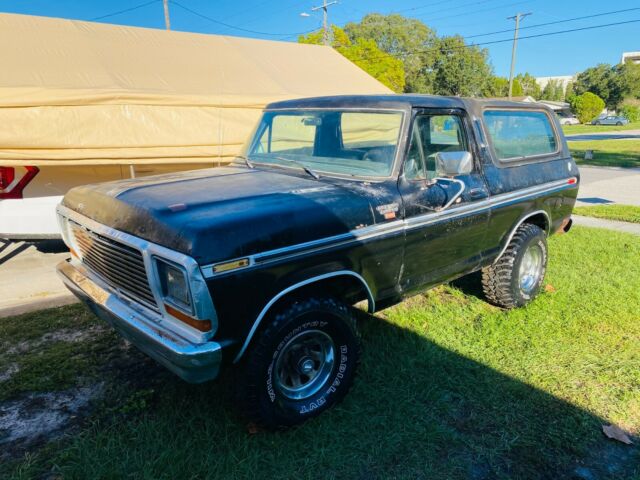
455	197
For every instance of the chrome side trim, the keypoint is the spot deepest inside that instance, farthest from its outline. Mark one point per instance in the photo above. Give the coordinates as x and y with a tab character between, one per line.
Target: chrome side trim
202	301
517	225
265	310
373	231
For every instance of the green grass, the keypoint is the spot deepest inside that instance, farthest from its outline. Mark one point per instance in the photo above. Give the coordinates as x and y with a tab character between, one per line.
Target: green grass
449	387
46	364
608	153
576	129
623	213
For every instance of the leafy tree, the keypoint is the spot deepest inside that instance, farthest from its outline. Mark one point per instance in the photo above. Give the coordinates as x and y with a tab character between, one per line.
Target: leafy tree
364	53
444	66
529	85
553	91
517	90
597	80
625	83
612	84
587	106
496	87
407	39
460	69
568	92
631	112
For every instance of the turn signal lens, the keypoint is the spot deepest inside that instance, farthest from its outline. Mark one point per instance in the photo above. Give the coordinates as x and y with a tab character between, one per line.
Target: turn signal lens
202	325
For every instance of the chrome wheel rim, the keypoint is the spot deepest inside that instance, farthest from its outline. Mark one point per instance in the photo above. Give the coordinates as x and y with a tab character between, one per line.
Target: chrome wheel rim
304	364
531	268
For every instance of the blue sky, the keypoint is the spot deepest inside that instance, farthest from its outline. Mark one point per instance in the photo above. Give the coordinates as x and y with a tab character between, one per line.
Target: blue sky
553	55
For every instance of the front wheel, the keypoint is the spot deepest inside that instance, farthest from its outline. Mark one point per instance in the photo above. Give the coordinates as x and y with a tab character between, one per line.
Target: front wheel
619	124
303	363
516	277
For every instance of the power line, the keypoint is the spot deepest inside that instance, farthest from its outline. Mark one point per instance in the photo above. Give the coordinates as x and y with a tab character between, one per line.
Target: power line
456	15
268	14
119	12
412	9
493	42
555	22
218	22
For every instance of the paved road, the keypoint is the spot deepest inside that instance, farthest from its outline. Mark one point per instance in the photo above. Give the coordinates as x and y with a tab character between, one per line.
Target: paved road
600	185
621	135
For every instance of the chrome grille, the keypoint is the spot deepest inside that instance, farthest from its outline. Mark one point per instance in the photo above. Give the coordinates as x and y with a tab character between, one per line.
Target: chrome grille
119	265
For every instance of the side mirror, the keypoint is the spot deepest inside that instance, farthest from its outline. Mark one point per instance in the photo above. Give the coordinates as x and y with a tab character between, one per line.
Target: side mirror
452	164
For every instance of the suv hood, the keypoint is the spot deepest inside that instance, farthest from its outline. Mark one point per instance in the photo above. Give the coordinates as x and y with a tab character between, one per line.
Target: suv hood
227	212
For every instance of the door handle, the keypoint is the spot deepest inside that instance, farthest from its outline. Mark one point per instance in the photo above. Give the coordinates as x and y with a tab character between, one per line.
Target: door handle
477	193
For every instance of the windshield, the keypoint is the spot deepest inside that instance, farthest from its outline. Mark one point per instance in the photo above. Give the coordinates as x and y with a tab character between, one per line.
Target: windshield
328	141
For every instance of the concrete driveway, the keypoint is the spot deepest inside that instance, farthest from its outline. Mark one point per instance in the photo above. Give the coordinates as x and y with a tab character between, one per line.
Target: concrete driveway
621	135
28	280
602	185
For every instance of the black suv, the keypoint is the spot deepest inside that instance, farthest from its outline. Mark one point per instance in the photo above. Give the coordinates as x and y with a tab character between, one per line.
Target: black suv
334	201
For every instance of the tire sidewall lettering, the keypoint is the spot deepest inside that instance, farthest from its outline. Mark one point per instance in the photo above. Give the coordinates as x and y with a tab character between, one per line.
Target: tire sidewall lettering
319	400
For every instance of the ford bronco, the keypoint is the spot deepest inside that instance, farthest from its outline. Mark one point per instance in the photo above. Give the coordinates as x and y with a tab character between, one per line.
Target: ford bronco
334	201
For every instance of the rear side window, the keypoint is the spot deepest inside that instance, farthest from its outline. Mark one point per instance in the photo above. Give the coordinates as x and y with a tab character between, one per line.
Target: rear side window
518	134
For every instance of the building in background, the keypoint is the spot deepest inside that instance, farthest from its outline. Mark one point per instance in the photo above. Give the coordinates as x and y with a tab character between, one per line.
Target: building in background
630	57
88	102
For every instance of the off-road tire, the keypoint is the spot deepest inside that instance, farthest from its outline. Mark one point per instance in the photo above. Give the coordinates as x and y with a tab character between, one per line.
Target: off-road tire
258	392
501	282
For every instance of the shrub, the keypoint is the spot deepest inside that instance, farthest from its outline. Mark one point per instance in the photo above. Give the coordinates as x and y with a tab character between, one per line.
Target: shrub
632	112
587	106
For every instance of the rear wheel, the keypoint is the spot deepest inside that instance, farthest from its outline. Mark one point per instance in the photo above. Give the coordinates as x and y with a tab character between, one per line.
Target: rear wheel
303	363
516	277
597	123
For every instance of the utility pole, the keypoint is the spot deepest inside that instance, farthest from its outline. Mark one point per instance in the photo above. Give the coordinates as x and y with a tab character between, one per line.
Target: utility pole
167	21
325	25
517	17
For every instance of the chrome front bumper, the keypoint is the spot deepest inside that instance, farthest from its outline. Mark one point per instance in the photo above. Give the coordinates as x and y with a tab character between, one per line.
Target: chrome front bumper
194	363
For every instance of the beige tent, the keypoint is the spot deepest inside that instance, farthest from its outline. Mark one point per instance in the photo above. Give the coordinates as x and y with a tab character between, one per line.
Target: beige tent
79	93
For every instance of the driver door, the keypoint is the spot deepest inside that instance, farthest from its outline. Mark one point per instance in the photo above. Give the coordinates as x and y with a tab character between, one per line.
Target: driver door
445	216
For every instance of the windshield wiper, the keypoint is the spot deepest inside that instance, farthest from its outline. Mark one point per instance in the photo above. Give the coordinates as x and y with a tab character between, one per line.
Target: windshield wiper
301	165
248	162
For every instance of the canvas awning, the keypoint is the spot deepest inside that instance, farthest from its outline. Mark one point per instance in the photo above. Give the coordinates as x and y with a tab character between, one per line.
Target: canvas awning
75	92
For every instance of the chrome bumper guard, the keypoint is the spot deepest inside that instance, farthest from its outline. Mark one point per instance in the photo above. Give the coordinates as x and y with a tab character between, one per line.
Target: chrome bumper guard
194	363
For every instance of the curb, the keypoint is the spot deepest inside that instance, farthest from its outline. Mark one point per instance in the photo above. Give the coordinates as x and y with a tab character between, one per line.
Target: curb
30	305
627	227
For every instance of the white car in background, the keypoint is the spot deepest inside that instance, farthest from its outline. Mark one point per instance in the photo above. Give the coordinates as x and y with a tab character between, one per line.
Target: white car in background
566	119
